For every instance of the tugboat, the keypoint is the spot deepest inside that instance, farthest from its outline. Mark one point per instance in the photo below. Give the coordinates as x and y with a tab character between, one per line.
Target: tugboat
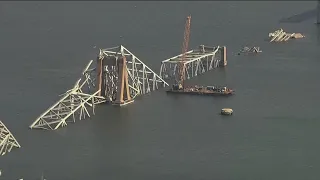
201	90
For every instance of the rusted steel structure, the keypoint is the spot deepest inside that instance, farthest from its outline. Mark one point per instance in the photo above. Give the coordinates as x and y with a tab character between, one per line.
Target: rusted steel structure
181	66
120	94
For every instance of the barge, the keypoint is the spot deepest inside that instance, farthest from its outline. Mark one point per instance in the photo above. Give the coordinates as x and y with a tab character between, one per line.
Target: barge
201	90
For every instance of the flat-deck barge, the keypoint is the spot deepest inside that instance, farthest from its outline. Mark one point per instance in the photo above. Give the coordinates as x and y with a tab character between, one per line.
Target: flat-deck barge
200	90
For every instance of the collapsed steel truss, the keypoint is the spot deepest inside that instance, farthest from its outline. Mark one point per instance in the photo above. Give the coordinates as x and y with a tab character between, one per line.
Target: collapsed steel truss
280	36
74	103
85	92
7	140
197	62
141	78
250	50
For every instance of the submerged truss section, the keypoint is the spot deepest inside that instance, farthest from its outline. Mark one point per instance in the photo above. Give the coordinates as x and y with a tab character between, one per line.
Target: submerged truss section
141	79
281	36
250	50
73	105
7	140
197	62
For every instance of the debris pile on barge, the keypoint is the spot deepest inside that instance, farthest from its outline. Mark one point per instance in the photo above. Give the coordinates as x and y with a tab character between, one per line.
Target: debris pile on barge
201	90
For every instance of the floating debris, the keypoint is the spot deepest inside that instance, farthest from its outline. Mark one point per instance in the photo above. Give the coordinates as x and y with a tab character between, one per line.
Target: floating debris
248	50
226	111
280	35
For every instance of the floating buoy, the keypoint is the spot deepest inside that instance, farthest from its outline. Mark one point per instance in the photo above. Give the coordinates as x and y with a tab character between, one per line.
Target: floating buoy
226	111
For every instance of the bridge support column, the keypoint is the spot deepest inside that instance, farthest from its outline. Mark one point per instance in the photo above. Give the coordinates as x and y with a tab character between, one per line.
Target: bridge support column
223	61
100	74
123	92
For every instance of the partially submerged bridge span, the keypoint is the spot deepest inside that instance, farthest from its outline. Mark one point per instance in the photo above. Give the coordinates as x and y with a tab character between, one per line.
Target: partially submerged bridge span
120	72
7	140
197	62
117	78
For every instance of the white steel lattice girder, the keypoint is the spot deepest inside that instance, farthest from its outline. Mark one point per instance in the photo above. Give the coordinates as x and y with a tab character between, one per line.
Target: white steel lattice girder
197	62
7	140
141	78
73	104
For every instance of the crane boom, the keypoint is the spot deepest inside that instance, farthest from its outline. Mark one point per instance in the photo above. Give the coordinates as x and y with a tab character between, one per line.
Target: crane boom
185	46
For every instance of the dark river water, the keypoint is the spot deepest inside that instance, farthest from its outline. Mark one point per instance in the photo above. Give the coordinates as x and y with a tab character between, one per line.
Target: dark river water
273	133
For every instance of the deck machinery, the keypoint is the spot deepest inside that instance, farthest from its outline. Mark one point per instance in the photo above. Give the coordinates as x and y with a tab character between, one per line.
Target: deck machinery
117	77
7	140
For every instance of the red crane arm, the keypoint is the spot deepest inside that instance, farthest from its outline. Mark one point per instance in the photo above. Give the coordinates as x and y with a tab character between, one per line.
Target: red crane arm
184	50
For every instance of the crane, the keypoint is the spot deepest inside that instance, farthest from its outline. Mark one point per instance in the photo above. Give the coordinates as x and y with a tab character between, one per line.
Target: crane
185	45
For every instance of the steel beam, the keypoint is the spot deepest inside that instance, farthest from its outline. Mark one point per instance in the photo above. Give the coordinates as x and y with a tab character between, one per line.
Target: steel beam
141	79
318	12
197	62
7	140
73	104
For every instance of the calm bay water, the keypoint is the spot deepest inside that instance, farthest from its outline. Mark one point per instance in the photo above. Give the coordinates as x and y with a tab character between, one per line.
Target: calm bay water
273	134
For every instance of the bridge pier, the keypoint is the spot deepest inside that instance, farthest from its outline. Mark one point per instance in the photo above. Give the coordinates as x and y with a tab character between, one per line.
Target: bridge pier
123	96
223	61
116	91
122	76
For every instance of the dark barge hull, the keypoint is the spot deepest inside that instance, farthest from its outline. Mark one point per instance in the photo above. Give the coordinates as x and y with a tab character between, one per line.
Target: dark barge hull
200	93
